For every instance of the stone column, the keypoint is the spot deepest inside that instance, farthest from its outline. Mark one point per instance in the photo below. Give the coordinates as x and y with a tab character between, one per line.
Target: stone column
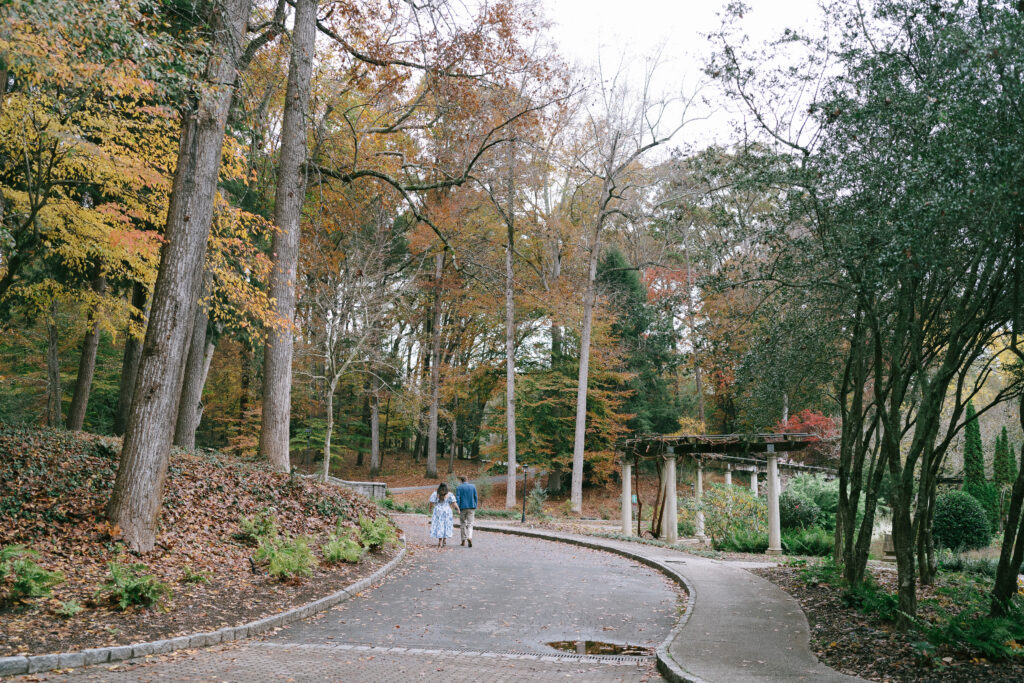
728	475
753	480
774	529
699	521
627	499
670	520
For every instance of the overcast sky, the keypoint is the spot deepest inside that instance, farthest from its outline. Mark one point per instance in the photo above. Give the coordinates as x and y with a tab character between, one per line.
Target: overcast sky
583	28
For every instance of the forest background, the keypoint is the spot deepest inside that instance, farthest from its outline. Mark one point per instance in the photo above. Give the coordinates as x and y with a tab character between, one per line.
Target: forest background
359	230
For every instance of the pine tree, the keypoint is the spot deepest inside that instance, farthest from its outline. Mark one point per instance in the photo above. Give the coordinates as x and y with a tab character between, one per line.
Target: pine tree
648	342
975	483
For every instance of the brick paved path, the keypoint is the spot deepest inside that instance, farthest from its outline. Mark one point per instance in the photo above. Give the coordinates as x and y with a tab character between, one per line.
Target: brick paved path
456	614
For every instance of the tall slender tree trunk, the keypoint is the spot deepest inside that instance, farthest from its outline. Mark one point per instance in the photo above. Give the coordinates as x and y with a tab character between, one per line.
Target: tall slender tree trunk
329	430
54	411
86	366
435	368
510	347
130	362
138	490
195	376
576	490
452	446
556	329
291	191
375	430
697	377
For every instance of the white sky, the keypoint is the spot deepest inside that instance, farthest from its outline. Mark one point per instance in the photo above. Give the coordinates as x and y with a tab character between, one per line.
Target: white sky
584	28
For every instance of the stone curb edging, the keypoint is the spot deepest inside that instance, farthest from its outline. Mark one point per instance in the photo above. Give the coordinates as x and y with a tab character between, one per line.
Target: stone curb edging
30	664
667	666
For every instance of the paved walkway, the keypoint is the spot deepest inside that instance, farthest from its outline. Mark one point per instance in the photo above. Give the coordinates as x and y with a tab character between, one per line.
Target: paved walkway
456	614
740	627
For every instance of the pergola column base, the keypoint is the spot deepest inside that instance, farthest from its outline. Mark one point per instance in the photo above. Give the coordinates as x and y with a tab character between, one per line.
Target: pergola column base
773	551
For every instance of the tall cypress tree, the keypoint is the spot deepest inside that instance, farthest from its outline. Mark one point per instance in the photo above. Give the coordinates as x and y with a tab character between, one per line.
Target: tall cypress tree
975	483
1002	462
974	460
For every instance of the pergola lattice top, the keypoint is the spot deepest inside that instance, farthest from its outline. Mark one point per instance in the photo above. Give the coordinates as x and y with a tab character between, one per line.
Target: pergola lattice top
717	444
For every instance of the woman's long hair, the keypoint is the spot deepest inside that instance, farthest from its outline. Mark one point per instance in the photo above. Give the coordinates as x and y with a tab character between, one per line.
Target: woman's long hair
442	491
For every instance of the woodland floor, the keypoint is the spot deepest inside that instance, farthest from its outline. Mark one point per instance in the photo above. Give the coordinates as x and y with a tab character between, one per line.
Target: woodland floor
854	643
53	489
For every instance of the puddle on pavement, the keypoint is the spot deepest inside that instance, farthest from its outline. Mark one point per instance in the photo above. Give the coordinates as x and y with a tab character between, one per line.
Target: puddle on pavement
596	647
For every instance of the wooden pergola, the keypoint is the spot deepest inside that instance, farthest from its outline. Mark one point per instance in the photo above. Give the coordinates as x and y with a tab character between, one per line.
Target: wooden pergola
750	452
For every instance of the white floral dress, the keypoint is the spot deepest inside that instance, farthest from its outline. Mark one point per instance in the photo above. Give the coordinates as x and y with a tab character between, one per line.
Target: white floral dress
441	522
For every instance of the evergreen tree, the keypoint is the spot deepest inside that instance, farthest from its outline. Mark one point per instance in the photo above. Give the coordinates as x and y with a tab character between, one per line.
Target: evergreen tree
648	341
1002	462
975	483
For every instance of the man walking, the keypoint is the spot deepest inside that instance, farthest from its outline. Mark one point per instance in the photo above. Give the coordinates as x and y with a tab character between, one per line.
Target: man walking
465	498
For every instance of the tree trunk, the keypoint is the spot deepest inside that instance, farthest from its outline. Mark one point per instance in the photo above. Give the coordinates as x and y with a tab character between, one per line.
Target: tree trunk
86	366
54	411
435	368
291	191
330	427
697	378
576	492
138	490
366	421
375	433
195	377
1011	553
556	330
510	368
130	363
451	446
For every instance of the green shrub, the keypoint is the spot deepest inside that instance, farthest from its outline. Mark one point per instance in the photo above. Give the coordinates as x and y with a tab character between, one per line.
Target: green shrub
26	578
342	548
960	523
822	572
797	512
980	566
685	527
987	495
873	601
260	526
535	501
728	510
743	541
130	586
823	493
287	558
188	575
374	533
816	542
503	514
68	609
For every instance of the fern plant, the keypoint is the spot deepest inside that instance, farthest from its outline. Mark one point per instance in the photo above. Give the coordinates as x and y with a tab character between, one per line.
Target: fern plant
27	579
130	585
375	533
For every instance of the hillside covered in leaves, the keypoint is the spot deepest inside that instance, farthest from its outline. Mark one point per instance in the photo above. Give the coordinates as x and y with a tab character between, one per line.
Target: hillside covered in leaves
53	489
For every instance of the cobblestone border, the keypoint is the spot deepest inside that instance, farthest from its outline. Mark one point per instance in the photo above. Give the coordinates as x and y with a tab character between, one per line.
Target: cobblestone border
31	664
667	666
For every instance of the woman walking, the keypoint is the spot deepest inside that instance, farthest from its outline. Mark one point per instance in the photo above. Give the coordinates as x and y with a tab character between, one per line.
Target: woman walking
441	501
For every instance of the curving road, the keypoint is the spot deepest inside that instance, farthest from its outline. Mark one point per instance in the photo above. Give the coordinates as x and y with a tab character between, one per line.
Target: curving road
457	614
